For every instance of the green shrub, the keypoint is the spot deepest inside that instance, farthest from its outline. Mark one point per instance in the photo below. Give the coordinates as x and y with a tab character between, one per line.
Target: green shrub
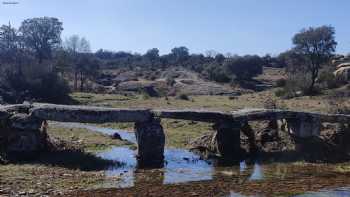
36	83
183	97
328	80
281	82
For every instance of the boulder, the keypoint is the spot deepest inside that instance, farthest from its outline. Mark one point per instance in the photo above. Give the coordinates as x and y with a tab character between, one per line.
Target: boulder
205	145
4	114
22	136
24	122
304	126
343	73
223	143
116	136
21	142
342	65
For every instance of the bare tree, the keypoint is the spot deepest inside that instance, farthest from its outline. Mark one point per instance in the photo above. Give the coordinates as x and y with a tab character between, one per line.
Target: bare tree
76	46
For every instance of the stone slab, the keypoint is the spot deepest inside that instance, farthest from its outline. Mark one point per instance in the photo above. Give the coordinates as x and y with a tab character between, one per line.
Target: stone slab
84	114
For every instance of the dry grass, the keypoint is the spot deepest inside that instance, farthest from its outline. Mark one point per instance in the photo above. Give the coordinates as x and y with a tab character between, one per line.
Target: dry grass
62	172
179	132
223	103
38	180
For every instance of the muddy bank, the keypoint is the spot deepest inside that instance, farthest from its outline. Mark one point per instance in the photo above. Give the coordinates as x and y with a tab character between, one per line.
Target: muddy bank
278	181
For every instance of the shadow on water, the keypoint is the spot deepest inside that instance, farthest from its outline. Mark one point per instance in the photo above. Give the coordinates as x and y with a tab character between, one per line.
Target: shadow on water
75	159
70	159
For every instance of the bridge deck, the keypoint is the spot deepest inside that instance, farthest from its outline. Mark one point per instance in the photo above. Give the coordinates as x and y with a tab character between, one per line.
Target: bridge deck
87	114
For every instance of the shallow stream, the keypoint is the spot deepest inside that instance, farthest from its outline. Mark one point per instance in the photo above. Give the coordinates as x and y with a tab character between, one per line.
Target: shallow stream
183	167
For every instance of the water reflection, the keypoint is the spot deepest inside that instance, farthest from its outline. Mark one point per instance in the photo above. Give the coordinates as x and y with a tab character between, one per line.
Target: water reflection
242	166
257	173
340	192
182	166
126	173
234	194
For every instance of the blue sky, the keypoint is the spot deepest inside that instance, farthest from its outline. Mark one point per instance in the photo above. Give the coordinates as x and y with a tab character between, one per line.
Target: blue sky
235	26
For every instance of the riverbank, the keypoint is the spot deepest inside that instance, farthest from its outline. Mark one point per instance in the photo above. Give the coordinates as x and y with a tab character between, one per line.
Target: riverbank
73	167
49	176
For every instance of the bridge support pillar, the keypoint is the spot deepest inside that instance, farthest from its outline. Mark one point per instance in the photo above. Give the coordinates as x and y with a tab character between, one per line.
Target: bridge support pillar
228	139
150	144
248	131
304	127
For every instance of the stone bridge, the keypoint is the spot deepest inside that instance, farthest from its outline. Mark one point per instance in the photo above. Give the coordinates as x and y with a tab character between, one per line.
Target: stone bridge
28	118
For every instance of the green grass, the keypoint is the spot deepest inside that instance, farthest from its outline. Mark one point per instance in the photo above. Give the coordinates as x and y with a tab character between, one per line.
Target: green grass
179	132
138	101
88	140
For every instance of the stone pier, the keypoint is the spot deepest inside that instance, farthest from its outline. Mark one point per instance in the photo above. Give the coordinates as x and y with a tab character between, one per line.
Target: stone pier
150	144
21	137
228	139
249	132
304	126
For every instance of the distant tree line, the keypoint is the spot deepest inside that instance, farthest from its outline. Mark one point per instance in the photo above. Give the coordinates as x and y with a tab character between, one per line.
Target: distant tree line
217	67
35	64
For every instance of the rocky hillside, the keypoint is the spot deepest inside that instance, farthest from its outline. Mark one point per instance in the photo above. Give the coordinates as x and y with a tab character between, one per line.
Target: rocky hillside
172	81
342	65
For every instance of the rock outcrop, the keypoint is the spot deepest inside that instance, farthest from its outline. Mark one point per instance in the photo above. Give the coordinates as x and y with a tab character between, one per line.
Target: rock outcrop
343	73
21	135
224	143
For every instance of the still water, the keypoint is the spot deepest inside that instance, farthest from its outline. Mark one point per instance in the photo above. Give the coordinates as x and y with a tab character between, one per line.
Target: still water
184	167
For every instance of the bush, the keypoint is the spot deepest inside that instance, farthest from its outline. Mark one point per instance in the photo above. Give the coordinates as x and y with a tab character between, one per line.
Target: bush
183	97
35	83
281	82
217	73
328	80
287	92
244	68
51	88
280	92
270	103
338	106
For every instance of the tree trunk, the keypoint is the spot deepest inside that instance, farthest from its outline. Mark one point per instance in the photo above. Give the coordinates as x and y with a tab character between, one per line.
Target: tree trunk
75	80
81	81
314	75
